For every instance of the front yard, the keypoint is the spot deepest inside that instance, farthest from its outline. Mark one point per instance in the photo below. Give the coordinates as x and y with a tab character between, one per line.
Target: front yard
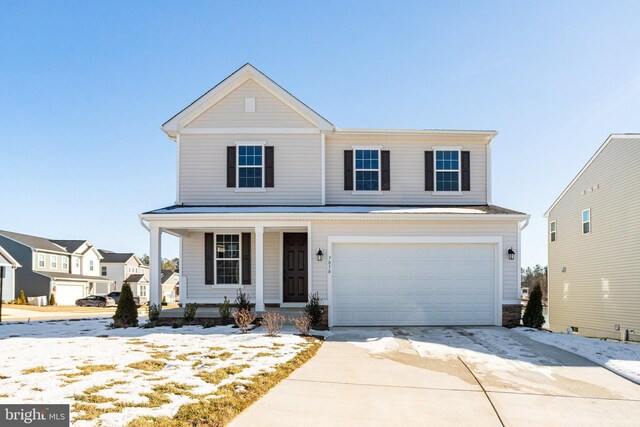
135	376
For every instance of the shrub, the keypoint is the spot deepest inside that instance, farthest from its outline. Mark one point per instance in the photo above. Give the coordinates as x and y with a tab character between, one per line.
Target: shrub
52	299
533	317
225	311
164	299
302	322
127	312
243	319
177	324
154	312
314	309
242	301
22	300
190	312
209	323
273	321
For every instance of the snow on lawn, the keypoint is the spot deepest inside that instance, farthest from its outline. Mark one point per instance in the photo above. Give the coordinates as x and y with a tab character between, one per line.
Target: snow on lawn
621	358
85	363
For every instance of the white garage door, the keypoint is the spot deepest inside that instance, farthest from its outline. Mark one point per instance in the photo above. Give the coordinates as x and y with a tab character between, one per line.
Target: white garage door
68	294
413	284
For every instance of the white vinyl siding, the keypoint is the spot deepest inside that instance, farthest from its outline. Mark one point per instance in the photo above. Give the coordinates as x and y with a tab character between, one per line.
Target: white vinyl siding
272	279
407	170
599	288
203	171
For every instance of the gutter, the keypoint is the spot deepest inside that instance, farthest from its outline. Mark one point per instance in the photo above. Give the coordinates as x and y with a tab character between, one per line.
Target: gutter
145	226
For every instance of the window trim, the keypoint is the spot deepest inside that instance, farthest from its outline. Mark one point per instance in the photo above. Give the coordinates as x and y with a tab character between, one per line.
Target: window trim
64	262
42	258
583	222
553	234
215	262
435	191
355	190
239	144
53	259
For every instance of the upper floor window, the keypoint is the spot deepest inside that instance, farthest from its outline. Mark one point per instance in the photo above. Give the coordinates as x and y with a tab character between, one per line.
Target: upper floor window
91	265
586	221
76	262
250	166
104	270
142	291
552	231
227	255
41	260
65	263
367	170
53	263
447	170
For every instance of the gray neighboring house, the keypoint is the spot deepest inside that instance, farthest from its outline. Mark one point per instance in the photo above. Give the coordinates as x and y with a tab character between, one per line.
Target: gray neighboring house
70	269
594	245
8	266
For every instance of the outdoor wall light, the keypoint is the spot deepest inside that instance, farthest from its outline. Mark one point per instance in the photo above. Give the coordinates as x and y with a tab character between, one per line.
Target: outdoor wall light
511	254
319	254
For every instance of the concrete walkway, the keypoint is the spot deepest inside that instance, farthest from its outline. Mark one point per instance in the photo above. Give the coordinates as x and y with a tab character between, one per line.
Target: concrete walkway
479	377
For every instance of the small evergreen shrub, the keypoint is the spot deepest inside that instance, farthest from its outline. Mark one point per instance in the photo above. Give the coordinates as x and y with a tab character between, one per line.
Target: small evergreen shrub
22	300
274	322
243	319
242	301
177	324
225	311
302	322
127	312
52	299
190	312
154	312
533	317
164	300
314	309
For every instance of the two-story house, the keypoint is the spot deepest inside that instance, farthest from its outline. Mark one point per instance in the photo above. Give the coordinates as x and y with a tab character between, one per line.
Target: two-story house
594	246
70	269
126	267
389	227
8	265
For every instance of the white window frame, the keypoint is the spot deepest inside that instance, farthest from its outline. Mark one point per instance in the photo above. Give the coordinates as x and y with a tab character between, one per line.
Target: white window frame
436	170
64	261
103	270
76	261
355	187
53	262
553	231
142	291
91	265
249	144
583	222
42	260
215	261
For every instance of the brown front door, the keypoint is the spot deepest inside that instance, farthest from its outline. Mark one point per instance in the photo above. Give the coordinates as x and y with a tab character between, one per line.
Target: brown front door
295	267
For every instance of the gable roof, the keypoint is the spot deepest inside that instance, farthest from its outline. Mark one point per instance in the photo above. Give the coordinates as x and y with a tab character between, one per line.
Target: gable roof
6	255
70	245
611	137
34	242
108	256
232	82
166	275
135	278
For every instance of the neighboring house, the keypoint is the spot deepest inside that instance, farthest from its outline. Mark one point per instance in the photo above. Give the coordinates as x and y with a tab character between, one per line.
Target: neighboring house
67	268
594	245
170	285
126	267
8	266
389	227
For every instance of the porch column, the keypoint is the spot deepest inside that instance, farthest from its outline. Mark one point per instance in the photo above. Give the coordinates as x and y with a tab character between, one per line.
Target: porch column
155	265
259	230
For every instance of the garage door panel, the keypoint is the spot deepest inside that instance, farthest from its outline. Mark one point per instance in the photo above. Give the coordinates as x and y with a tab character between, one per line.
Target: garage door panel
67	294
416	284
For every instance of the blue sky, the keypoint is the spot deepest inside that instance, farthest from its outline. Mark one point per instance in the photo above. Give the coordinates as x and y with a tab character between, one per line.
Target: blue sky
84	87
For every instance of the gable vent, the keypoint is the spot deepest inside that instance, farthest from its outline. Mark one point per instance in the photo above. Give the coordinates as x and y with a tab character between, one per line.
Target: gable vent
249	105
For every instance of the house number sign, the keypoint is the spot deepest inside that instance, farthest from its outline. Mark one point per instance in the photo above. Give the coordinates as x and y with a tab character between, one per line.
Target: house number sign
329	265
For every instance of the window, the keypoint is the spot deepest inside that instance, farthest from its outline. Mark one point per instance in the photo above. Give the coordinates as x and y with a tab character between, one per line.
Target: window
250	170
447	170
53	263
552	231
41	260
65	263
586	221
249	105
91	265
367	170
227	259
143	291
104	270
76	262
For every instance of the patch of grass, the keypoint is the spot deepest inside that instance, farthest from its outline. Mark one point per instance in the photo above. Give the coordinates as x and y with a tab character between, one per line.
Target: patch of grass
264	354
185	356
174	388
217	348
148	365
214	377
2	377
2	396
38	389
34	370
252	346
231	398
222	356
160	355
89	369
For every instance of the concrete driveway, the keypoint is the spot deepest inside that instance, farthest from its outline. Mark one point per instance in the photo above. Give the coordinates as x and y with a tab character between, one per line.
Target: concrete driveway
445	376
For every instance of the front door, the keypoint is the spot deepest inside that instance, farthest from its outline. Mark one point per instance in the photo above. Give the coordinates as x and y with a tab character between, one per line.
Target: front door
295	267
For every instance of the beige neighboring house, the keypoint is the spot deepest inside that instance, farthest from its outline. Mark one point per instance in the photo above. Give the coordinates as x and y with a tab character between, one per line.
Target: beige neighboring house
389	227
594	245
170	285
126	267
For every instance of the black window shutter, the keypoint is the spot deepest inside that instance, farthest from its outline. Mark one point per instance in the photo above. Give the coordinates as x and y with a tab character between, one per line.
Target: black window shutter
268	166
386	170
231	166
428	170
246	258
348	169
466	172
208	259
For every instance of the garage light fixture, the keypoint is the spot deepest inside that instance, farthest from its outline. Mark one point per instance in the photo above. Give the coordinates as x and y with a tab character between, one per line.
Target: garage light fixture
511	254
319	254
